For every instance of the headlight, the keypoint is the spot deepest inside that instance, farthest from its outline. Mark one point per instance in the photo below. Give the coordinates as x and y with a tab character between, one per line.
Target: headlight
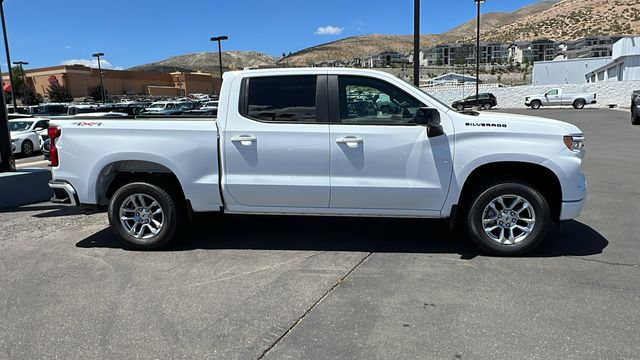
574	142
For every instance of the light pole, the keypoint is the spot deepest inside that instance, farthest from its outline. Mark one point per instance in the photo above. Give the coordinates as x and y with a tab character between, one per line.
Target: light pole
24	79
478	2
416	42
104	96
6	49
219	40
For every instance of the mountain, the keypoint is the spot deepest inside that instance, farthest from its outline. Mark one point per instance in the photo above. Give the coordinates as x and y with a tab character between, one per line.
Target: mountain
208	62
553	19
355	46
493	21
572	19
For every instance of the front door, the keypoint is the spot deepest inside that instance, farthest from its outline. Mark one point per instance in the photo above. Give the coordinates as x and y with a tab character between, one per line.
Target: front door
553	97
382	159
277	145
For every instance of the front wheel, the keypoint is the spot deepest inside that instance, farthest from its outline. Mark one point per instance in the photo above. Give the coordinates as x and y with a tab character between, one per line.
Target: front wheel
536	104
143	215
486	107
508	219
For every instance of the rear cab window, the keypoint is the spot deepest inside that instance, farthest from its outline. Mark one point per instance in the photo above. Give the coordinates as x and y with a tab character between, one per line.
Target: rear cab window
280	99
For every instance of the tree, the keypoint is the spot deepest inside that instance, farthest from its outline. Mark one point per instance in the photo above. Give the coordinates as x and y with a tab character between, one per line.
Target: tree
95	92
59	93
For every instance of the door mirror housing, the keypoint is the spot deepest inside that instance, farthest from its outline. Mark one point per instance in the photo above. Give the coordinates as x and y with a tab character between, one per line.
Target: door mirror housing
430	118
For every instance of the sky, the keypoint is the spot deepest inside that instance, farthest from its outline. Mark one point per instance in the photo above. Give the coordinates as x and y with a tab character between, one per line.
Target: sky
134	32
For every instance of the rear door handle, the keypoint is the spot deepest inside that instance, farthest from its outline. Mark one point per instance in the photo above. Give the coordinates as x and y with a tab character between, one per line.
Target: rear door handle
245	140
350	141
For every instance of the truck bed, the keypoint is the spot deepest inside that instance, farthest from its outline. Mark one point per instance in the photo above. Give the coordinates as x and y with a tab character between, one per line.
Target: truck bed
184	146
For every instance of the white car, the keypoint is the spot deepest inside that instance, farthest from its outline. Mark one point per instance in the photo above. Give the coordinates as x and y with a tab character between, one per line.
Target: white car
28	135
209	106
557	97
159	106
293	141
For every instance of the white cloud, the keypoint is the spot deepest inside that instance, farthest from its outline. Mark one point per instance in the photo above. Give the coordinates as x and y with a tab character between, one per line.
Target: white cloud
329	30
91	63
67	47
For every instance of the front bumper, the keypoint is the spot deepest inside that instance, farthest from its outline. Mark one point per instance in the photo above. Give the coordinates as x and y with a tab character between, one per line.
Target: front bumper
571	209
63	193
527	103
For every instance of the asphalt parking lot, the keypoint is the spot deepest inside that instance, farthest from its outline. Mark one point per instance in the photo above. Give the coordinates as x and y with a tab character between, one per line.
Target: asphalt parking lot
242	287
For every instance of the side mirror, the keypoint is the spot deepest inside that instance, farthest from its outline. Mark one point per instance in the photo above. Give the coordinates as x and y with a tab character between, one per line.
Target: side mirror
430	118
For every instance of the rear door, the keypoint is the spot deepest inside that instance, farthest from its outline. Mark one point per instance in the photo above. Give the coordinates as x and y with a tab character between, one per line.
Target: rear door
383	161
276	144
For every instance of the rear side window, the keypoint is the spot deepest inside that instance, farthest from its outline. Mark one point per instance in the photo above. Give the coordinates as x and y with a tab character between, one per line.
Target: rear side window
281	98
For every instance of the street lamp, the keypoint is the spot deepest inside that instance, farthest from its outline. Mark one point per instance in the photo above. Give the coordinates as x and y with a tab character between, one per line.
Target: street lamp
478	2
104	97
219	39
24	79
6	49
416	42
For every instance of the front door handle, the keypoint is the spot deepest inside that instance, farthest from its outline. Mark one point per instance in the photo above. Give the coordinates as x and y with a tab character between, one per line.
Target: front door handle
350	141
245	140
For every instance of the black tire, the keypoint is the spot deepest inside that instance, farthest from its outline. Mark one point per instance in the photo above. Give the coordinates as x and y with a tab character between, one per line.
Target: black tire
476	209
170	215
536	104
460	107
486	107
27	148
635	117
579	104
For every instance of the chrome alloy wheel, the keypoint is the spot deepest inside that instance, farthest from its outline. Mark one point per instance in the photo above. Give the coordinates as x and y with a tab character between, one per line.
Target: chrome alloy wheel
141	216
508	219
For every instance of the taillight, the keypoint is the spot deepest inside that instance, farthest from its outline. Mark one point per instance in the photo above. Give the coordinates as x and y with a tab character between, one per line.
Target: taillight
54	132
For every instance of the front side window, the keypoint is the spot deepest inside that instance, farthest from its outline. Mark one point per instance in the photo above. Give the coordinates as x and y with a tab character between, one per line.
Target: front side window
371	101
281	98
553	92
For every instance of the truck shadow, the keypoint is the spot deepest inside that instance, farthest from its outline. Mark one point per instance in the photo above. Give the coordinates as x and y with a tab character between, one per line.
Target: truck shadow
349	234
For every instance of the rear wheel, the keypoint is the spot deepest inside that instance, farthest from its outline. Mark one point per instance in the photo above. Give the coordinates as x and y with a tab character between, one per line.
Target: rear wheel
507	218
579	104
143	215
460	107
27	148
536	104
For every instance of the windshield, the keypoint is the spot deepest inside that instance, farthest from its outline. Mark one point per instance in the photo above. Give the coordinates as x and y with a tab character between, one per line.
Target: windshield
19	125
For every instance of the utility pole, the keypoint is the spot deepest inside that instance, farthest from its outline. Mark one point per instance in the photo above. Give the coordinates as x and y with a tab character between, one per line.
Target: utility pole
416	43
219	40
6	49
7	161
478	2
104	93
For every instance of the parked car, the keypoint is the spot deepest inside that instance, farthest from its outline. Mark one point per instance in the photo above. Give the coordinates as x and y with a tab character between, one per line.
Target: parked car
486	101
635	108
27	135
160	106
557	97
210	105
289	143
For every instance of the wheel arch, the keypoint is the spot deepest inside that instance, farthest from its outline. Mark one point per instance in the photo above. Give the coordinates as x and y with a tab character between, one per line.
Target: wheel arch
538	176
118	173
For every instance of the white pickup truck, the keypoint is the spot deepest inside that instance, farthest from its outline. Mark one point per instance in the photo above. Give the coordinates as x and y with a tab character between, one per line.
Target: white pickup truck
307	142
557	97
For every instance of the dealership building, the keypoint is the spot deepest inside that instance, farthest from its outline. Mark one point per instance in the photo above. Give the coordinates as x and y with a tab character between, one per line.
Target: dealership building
79	79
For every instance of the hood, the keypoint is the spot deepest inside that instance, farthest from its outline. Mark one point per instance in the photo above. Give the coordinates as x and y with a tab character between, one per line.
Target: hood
525	123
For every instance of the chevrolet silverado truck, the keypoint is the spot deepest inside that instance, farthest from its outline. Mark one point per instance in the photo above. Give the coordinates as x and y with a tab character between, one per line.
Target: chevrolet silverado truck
290	141
635	108
557	97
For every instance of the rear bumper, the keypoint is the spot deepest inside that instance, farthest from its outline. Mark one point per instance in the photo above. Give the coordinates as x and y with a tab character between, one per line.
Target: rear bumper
594	101
63	193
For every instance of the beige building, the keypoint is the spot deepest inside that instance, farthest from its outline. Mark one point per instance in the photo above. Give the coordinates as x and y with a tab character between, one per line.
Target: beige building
79	79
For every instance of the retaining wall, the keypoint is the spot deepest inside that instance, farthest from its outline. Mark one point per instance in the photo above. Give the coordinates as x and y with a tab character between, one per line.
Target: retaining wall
618	93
